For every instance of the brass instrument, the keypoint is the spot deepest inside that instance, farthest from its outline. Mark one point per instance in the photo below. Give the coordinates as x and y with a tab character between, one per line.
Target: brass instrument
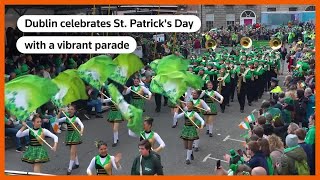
211	44
275	43
239	84
246	42
220	80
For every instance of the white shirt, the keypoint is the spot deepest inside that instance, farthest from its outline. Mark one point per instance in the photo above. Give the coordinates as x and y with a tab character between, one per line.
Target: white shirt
196	115
64	119
155	135
144	89
92	164
45	132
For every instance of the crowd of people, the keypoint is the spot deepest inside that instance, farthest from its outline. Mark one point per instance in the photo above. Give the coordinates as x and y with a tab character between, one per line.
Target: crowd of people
281	141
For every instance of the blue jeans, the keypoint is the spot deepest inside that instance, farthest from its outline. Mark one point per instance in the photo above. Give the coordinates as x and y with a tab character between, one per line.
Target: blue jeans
96	103
11	132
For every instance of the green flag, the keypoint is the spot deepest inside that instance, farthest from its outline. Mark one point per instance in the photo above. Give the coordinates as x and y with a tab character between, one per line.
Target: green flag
171	63
71	88
130	113
127	64
97	70
194	81
173	84
26	93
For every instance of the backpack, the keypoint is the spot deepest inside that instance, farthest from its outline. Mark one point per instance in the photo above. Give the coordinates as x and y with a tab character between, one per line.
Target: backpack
302	167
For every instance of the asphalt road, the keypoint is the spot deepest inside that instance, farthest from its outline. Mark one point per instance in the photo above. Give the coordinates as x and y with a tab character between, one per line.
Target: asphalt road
226	135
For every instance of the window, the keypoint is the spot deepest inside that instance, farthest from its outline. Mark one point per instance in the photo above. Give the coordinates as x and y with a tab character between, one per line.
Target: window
293	9
270	9
311	8
209	25
209	21
248	13
230	23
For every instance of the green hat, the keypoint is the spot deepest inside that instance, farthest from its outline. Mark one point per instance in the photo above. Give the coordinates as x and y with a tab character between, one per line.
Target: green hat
227	61
249	62
203	63
223	66
288	100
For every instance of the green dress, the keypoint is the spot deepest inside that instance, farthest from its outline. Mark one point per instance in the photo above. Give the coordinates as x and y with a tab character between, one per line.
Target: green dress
210	102
103	168
114	115
35	153
189	130
73	136
137	100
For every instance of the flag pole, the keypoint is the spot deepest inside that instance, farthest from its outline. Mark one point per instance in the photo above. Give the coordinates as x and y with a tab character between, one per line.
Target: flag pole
188	117
30	129
74	126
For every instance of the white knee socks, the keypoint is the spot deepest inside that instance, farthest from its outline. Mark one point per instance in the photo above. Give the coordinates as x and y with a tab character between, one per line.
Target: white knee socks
71	164
196	143
189	152
210	128
115	137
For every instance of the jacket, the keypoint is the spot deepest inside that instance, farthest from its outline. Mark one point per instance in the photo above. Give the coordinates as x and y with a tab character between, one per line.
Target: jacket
151	165
288	160
258	160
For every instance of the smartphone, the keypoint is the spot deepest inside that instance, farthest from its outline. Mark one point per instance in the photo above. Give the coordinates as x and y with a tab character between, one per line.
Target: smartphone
240	152
218	164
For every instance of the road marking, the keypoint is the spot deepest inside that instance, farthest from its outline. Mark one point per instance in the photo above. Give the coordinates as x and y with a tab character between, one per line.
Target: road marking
225	139
228	138
208	157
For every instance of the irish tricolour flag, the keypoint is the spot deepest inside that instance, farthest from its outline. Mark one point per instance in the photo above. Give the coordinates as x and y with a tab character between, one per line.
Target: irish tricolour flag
244	125
250	118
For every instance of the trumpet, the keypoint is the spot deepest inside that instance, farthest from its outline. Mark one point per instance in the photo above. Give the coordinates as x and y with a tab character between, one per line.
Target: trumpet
211	44
275	43
246	42
220	80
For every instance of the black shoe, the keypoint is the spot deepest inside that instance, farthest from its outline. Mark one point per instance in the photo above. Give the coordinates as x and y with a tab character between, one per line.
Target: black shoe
207	132
174	126
188	161
231	100
210	134
249	104
157	109
114	144
228	104
196	149
76	166
165	103
68	172
99	116
241	111
20	149
222	110
192	157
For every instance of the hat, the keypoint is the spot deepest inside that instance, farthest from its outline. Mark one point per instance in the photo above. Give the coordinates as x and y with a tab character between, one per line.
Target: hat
291	140
273	79
288	100
249	62
222	66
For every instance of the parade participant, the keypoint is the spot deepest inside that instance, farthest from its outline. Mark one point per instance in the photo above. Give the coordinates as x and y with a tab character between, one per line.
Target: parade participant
233	79
114	117
208	96
147	163
250	88
36	154
244	75
198	106
73	137
137	100
104	162
189	132
224	86
150	135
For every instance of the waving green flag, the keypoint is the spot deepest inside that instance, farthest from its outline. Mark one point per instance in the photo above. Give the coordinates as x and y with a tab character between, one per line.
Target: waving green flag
173	85
26	93
132	114
194	81
171	63
71	88
97	70
127	64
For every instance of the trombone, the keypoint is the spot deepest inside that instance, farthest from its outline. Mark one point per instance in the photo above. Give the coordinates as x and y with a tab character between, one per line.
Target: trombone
246	42
211	44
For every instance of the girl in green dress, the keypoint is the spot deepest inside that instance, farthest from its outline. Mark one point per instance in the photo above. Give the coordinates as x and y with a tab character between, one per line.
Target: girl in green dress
208	96
114	117
103	162
189	132
36	154
73	137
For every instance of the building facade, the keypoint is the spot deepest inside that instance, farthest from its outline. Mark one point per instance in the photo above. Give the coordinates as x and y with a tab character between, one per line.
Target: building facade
213	16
